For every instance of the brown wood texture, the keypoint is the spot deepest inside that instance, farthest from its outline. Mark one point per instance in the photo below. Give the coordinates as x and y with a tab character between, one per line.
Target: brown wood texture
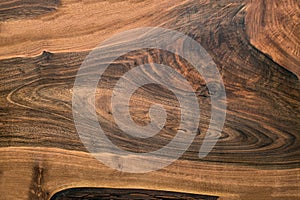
274	29
255	45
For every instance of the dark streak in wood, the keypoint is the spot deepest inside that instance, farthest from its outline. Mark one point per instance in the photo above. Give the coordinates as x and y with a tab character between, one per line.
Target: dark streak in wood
36	191
120	194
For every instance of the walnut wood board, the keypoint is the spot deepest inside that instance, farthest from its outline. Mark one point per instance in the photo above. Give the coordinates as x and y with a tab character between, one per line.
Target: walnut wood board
43	44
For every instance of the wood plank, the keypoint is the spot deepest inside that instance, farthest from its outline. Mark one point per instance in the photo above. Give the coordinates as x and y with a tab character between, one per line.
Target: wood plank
257	156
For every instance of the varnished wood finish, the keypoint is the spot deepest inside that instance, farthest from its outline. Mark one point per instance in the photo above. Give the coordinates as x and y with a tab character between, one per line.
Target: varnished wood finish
257	156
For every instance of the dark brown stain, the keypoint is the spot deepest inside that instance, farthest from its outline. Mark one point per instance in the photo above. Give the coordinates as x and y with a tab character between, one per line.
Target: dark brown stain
36	190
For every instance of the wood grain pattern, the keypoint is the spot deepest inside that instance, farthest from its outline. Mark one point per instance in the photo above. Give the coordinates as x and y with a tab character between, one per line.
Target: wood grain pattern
17	9
274	29
78	26
257	156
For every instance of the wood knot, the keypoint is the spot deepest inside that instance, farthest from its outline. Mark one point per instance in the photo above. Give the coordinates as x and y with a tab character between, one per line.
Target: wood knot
47	55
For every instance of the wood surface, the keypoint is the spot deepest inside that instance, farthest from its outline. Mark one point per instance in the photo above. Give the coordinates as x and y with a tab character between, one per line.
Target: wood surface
255	45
